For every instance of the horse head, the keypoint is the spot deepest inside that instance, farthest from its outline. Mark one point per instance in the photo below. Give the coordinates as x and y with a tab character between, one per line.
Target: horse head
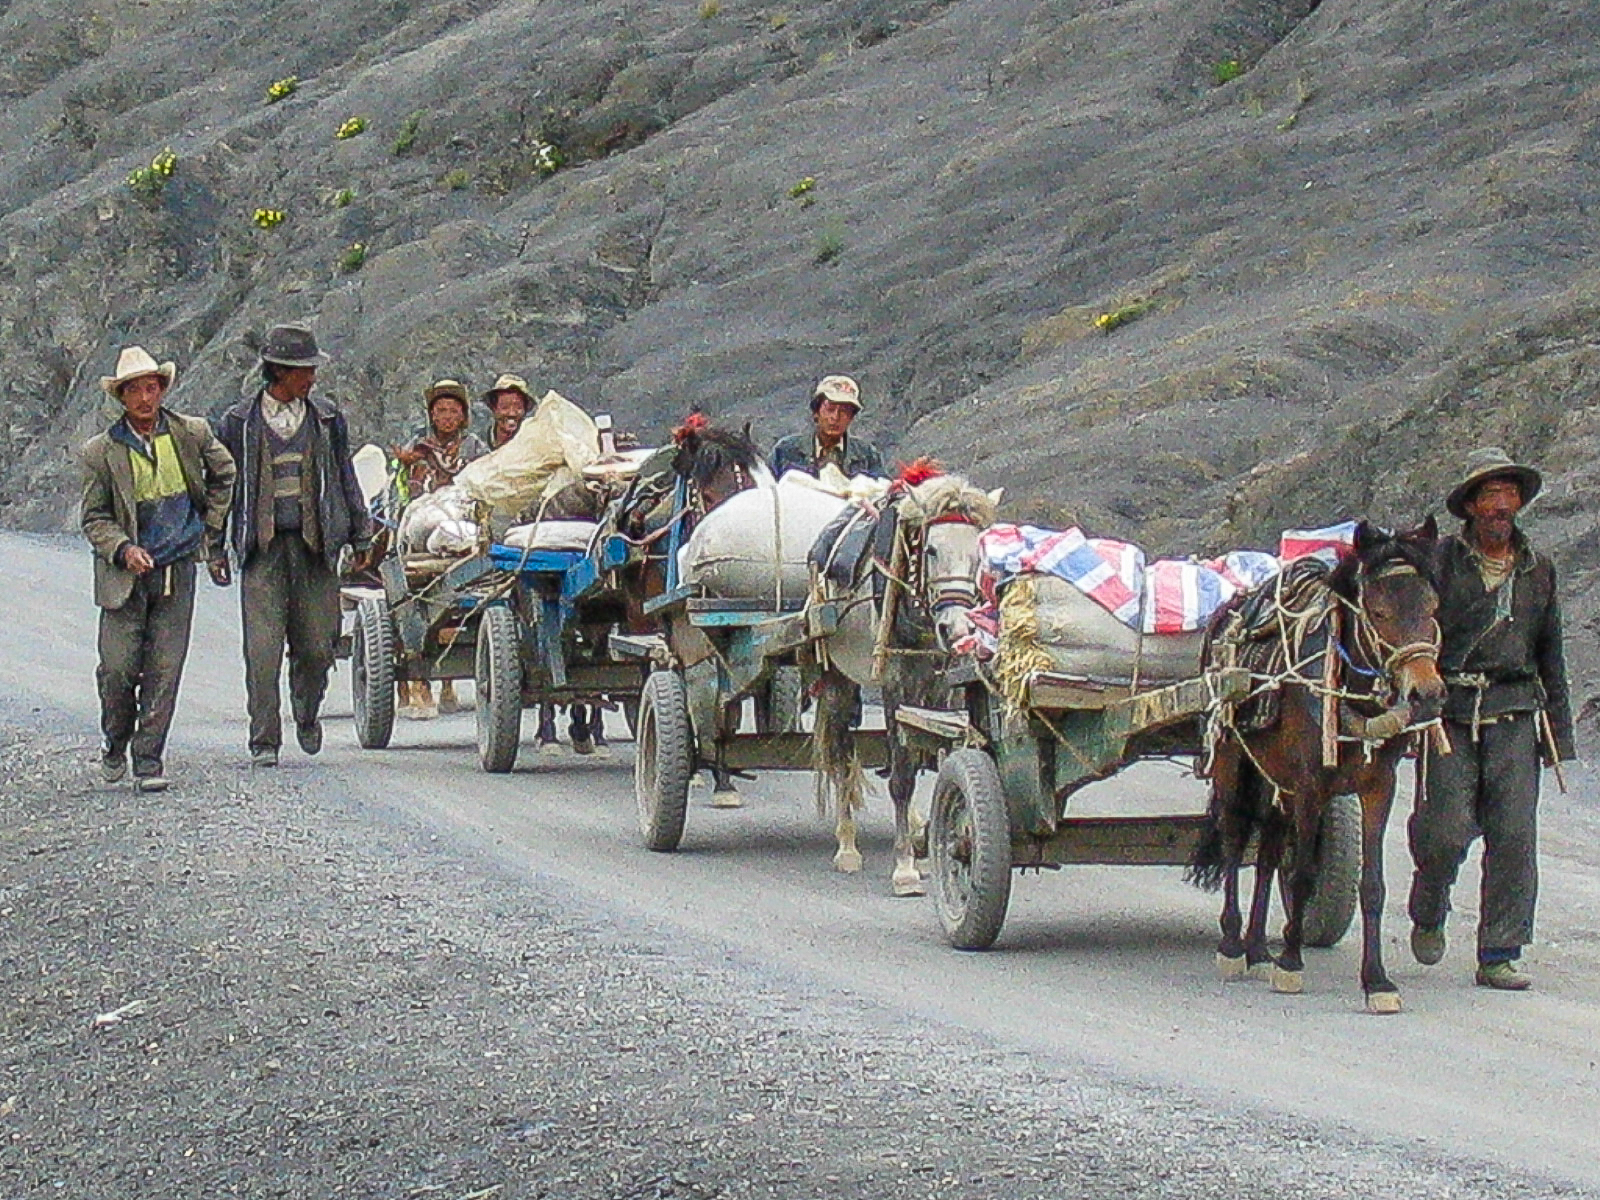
1388	582
944	514
717	462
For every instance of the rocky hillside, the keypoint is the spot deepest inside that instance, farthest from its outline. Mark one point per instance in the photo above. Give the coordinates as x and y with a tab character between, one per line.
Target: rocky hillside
1187	272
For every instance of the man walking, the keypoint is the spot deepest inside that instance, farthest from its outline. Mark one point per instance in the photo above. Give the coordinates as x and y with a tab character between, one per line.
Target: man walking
156	489
1501	656
296	506
835	402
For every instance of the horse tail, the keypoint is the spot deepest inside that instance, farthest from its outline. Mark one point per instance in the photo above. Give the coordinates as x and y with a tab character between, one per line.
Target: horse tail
836	765
1237	790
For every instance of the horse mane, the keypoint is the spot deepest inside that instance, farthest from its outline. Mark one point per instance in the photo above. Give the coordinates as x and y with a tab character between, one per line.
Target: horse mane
1376	546
706	451
948	496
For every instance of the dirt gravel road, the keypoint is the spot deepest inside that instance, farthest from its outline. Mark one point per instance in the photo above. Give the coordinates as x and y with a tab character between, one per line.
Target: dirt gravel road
389	975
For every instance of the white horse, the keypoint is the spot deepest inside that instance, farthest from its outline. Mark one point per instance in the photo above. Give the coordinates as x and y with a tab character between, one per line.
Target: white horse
901	611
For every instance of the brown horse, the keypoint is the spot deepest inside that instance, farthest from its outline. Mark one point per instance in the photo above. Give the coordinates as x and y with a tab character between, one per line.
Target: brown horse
1355	672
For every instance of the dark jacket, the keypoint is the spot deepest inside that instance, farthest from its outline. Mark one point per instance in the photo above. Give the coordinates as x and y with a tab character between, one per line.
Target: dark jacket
1519	658
341	510
109	514
798	453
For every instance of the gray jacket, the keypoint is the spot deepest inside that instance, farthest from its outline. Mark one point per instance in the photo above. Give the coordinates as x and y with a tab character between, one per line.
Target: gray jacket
109	515
341	509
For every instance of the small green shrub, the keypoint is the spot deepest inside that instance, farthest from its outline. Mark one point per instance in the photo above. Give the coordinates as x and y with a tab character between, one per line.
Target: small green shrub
709	9
1226	70
1123	314
149	181
800	189
268	218
343	198
407	136
354	257
547	158
352	127
457	180
830	244
284	88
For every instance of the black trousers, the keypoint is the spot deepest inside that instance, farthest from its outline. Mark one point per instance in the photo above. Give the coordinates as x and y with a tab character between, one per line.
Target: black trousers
143	646
288	596
1489	789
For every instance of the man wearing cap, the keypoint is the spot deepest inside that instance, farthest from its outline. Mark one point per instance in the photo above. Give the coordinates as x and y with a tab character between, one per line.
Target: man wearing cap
1507	710
432	462
509	401
296	505
156	489
835	401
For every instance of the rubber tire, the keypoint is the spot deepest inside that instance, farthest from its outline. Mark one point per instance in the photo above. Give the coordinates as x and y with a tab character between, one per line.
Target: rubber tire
1337	896
663	763
969	806
497	676
372	674
778	708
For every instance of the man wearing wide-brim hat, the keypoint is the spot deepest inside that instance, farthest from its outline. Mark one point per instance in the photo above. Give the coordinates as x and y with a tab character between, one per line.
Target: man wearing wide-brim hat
510	401
835	404
1507	711
297	504
156	490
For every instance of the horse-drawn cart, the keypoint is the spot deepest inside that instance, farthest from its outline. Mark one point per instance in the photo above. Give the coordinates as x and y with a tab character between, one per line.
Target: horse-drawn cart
1008	772
527	626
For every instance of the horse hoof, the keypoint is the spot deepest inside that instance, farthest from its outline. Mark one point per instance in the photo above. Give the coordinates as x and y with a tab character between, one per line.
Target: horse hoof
582	746
727	799
909	883
1287	983
1232	970
847	862
1383	1004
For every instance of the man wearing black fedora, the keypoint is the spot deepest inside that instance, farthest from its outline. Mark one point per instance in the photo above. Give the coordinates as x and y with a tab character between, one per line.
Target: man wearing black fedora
1507	710
296	506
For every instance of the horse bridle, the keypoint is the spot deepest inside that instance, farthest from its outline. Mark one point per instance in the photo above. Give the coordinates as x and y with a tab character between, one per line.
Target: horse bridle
1373	646
940	592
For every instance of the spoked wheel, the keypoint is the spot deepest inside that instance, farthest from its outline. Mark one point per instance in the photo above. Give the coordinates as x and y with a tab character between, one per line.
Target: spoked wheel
372	673
969	850
663	761
497	675
778	705
1334	899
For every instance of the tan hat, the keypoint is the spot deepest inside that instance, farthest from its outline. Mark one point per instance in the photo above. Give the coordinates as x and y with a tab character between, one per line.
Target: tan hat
508	383
841	389
443	388
1491	462
133	363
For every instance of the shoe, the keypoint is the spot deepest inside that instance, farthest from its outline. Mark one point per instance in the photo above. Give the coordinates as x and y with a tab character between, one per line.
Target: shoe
582	746
1502	976
150	783
309	735
448	704
1427	945
113	766
267	756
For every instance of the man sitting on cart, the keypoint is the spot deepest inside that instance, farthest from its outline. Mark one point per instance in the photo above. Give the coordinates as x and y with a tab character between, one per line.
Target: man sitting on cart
835	403
430	463
509	402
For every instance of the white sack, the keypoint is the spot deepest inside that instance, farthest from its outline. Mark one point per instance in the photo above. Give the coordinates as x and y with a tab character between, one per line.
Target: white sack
754	545
556	434
453	537
426	513
1082	638
551	535
372	471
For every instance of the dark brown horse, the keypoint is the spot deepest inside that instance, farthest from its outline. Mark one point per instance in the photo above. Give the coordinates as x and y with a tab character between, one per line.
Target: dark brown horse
1344	667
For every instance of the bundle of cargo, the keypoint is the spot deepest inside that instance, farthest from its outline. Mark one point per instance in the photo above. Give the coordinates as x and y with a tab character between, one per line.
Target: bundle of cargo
756	544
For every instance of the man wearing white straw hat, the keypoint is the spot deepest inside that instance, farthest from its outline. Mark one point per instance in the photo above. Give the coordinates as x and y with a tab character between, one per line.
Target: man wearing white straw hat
296	506
1507	709
835	403
156	490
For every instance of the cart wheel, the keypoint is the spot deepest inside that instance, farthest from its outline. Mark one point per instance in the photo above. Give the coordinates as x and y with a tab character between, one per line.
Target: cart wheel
778	704
969	846
663	763
497	675
372	673
1333	901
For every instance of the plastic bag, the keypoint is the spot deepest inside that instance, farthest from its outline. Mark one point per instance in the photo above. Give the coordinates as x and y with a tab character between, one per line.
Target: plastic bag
556	434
